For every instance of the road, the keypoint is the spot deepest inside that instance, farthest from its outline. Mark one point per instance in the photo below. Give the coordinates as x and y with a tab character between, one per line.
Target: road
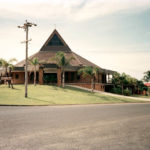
80	127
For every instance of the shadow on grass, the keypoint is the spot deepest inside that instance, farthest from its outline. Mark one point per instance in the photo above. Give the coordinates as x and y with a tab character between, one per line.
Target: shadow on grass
78	90
16	89
32	98
6	86
54	87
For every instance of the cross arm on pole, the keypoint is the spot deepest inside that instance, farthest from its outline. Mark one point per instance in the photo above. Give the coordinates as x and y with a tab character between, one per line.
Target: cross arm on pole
26	41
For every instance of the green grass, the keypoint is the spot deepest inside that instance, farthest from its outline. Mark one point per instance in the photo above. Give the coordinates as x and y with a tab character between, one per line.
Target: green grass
53	95
141	96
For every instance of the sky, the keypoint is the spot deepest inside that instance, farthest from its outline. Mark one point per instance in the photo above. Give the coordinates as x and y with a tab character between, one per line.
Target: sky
114	34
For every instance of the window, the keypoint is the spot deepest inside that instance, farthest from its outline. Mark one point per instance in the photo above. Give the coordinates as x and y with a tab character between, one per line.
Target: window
55	41
16	76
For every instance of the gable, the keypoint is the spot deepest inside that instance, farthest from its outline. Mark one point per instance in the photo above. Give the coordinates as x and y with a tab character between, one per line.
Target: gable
55	41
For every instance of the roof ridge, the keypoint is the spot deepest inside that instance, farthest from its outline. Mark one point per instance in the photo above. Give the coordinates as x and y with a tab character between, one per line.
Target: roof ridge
74	54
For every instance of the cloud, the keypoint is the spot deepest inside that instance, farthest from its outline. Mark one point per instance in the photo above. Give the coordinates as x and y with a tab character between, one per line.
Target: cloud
78	10
81	30
100	8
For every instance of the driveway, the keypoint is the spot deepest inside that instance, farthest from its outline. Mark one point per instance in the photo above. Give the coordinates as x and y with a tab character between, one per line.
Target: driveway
87	127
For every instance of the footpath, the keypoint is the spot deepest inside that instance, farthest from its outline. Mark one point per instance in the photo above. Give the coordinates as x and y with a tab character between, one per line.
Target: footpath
111	94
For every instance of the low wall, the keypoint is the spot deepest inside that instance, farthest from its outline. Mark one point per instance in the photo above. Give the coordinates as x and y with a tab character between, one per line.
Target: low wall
97	86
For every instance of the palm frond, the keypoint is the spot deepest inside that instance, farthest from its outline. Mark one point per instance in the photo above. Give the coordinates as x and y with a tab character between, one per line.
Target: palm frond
88	71
34	61
69	60
12	60
11	66
61	60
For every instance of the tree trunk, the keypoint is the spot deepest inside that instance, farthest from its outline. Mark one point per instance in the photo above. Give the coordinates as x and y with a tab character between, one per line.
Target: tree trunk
5	71
9	72
138	90
11	83
35	76
8	82
122	89
9	75
134	87
92	85
63	79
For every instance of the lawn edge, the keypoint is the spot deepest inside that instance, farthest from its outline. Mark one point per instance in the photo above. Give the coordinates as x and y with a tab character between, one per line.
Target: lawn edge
143	102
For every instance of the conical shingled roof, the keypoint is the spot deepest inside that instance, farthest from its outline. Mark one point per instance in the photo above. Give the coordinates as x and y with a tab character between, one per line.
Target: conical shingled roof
54	44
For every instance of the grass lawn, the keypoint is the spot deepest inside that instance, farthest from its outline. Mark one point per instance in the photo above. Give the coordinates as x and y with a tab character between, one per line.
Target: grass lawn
52	95
141	96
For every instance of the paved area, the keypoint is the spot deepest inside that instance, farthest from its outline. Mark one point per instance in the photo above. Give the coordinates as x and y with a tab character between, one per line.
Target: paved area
111	94
86	127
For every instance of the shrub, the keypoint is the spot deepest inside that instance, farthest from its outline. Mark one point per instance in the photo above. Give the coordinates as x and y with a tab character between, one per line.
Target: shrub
116	90
46	79
127	92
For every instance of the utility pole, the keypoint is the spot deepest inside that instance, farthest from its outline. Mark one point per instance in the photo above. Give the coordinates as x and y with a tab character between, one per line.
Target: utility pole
26	29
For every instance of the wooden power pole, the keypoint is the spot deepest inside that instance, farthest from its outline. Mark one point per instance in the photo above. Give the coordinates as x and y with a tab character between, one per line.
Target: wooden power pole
26	28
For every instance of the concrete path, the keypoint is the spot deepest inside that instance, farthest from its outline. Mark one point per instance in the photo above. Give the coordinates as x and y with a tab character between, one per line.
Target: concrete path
111	94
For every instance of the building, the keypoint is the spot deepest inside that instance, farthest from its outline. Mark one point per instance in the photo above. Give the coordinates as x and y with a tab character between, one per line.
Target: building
147	84
48	72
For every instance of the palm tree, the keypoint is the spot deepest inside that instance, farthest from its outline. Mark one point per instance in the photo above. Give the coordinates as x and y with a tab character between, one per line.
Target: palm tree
133	84
7	65
62	62
123	81
120	80
89	71
34	62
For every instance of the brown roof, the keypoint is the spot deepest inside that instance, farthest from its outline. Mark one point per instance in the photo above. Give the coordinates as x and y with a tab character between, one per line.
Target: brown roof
49	49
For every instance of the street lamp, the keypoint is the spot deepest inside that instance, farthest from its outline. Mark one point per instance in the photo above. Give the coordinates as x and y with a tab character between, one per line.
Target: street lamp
26	28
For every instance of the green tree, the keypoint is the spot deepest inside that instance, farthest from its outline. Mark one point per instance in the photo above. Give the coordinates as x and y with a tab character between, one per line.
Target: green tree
62	63
146	77
133	84
141	86
34	62
91	72
124	81
115	79
119	80
7	65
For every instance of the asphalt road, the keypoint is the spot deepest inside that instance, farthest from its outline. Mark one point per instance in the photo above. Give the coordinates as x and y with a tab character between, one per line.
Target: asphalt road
88	127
